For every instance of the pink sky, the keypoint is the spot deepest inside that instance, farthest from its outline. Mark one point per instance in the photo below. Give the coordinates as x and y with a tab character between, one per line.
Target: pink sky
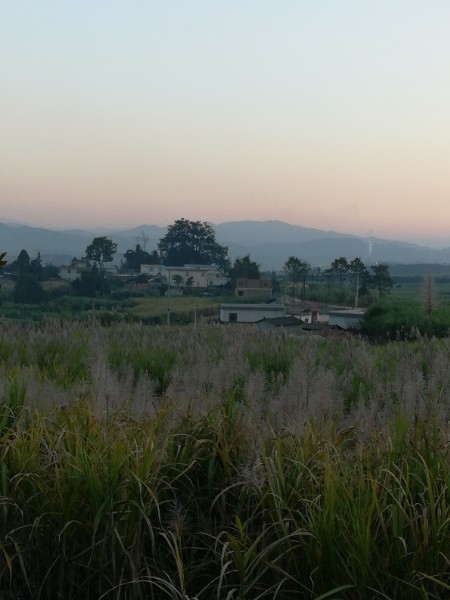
327	115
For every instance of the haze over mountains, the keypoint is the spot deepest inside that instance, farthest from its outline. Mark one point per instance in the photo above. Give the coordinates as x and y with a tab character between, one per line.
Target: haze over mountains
269	243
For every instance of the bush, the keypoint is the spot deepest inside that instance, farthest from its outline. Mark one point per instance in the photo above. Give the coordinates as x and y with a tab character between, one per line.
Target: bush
401	319
28	290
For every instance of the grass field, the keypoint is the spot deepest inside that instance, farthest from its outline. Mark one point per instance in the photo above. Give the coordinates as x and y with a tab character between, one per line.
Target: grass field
178	305
218	462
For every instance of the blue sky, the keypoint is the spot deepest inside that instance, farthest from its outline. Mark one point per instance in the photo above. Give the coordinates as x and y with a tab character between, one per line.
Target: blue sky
329	114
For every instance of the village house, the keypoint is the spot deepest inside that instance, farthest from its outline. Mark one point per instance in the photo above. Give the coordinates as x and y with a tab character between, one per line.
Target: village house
193	276
73	271
310	315
250	313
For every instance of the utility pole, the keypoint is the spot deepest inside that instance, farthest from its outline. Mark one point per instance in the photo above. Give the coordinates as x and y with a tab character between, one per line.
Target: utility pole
168	297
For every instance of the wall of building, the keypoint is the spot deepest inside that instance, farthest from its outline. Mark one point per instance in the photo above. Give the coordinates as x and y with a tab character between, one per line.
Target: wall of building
199	276
347	319
250	313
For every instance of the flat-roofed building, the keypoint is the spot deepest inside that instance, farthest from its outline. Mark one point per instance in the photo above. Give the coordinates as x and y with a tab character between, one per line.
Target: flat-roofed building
250	313
193	276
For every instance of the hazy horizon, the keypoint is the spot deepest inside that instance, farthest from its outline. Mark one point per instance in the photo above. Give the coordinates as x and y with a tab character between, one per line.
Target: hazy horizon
105	230
326	115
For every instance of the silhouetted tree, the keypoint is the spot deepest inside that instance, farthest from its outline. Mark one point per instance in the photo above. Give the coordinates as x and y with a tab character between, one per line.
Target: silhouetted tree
380	279
135	258
49	272
192	242
21	264
244	267
101	250
92	282
297	270
339	268
28	289
36	267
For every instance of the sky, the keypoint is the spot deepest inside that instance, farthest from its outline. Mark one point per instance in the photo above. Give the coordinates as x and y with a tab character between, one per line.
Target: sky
332	114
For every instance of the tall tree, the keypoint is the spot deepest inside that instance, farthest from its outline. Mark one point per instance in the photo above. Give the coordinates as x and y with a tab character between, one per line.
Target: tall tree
339	268
381	279
27	273
36	267
192	242
297	270
245	267
22	264
28	289
135	258
91	282
101	250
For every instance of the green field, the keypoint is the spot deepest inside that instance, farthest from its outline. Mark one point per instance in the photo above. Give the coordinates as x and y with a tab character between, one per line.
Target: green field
178	305
413	290
151	309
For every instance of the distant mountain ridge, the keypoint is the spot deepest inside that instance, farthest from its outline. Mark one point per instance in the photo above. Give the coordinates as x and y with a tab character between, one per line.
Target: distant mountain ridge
269	243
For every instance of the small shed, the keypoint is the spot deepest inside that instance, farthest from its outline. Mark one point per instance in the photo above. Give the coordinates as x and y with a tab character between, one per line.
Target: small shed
250	313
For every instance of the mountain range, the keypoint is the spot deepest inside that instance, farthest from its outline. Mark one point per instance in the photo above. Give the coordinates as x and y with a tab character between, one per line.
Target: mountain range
269	243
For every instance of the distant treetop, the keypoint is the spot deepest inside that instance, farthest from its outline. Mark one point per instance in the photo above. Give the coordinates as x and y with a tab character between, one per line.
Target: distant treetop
192	242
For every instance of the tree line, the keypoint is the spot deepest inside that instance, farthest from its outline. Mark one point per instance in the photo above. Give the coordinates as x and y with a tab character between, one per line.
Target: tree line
342	274
194	242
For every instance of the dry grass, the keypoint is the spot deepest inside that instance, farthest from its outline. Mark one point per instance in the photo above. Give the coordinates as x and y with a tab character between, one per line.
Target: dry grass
219	462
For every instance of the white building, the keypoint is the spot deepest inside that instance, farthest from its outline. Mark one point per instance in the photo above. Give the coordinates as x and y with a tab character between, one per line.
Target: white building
195	276
250	313
74	270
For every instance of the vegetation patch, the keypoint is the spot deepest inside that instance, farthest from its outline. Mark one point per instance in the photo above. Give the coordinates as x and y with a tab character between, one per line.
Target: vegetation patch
168	465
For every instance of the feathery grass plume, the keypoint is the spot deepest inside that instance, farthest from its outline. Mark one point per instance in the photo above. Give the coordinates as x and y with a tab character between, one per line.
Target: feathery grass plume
231	481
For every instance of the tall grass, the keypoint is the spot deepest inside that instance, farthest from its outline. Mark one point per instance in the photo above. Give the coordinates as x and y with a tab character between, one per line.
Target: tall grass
329	479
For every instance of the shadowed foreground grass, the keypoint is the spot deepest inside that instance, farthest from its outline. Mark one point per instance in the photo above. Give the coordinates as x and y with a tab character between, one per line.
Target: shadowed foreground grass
124	508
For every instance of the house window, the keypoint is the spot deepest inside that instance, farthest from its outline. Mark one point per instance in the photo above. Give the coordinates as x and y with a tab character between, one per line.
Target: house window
240	293
232	317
